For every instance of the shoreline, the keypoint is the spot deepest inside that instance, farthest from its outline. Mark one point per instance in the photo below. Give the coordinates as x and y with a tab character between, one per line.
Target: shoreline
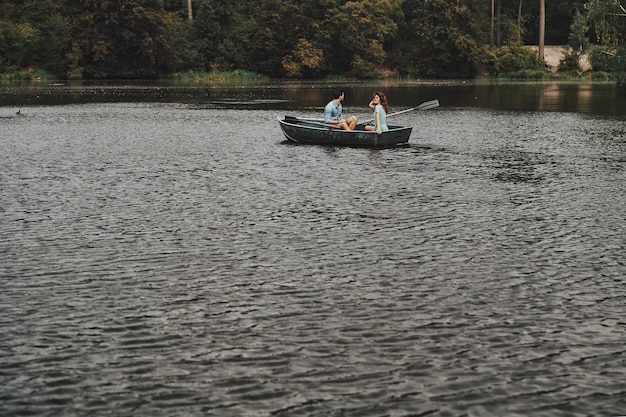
554	53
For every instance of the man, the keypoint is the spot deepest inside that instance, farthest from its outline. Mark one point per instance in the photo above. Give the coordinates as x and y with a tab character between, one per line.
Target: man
333	110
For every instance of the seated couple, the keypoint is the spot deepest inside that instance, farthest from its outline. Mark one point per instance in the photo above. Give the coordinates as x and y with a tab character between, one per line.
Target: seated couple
333	112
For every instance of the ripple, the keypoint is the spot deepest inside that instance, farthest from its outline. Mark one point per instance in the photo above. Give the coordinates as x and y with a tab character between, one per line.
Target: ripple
158	261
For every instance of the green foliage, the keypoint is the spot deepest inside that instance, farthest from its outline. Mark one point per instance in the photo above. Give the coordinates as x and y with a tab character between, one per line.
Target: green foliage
184	54
602	58
304	59
13	73
49	35
12	45
611	61
511	32
122	38
601	76
527	74
514	59
620	77
236	76
286	38
578	39
604	17
559	14
447	38
210	32
619	59
267	30
620	66
78	39
365	26
570	62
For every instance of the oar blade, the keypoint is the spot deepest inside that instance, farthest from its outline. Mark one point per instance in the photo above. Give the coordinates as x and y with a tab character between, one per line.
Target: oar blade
428	105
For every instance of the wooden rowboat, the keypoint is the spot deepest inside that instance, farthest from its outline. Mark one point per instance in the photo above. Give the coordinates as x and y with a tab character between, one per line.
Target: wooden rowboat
316	132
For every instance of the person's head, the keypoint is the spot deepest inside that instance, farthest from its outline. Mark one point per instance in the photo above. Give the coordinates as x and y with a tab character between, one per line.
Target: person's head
338	93
380	98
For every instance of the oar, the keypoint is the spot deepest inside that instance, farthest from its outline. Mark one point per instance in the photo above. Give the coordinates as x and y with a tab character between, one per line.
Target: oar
292	119
424	106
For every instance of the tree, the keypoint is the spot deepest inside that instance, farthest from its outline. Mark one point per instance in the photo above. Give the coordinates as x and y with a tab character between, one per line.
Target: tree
295	38
281	29
493	16
604	17
558	16
210	32
542	28
305	59
578	39
364	27
609	23
121	38
12	45
444	39
49	37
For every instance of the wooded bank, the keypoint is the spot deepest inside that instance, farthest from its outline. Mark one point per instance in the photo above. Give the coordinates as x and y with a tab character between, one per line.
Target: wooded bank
100	39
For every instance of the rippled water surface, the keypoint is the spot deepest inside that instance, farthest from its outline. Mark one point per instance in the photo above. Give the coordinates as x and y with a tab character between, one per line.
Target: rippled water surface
178	259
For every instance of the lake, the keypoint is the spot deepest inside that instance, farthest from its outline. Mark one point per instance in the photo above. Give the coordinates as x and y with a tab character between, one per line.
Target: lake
165	252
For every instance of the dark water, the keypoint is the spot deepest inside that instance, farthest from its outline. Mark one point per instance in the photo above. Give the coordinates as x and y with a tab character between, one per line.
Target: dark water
599	98
174	257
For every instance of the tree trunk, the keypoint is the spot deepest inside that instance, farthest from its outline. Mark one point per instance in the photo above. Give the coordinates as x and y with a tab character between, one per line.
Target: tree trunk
542	28
189	11
499	31
492	19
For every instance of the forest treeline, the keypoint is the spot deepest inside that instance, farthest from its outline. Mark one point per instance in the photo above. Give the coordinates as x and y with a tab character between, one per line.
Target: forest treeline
106	39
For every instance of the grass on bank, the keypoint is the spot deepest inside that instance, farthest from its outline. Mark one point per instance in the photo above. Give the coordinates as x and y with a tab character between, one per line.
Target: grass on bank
236	76
14	74
565	72
526	74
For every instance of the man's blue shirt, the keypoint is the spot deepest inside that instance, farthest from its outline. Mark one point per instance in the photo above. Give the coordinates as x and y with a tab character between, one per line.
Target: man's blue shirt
331	111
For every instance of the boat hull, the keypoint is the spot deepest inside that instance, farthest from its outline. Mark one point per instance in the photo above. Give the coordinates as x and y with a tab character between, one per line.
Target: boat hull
315	132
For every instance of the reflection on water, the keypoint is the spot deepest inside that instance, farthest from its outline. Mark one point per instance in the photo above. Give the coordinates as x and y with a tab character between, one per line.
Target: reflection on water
602	98
178	259
581	98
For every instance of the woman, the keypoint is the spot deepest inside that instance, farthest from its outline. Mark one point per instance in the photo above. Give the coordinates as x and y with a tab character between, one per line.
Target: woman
379	104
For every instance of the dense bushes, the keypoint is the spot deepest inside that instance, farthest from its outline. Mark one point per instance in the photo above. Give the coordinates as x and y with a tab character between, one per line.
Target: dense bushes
570	62
277	38
601	58
515	62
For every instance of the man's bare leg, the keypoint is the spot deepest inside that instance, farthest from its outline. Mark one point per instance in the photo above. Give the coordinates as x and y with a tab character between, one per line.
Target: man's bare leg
351	122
